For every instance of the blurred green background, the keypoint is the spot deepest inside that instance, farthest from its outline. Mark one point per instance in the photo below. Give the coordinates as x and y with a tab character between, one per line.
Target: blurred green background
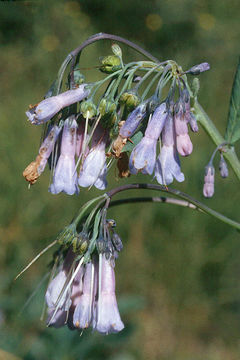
178	277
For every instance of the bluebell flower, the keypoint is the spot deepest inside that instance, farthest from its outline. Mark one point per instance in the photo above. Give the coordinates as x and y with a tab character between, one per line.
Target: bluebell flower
143	156
168	164
107	319
83	313
65	176
46	109
94	164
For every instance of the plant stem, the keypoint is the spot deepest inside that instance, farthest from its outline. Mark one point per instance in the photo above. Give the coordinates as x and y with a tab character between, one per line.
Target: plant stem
217	138
174	192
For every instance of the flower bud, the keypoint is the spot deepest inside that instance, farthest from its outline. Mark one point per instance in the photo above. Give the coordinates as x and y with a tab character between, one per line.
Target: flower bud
197	69
133	121
223	168
88	109
208	188
110	64
117	242
130	99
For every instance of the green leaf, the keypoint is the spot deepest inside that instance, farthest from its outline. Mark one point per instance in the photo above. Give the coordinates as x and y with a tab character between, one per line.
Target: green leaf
233	127
135	139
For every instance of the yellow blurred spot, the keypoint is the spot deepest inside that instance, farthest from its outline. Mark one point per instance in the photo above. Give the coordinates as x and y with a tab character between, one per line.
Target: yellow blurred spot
206	21
50	42
7	356
153	22
72	8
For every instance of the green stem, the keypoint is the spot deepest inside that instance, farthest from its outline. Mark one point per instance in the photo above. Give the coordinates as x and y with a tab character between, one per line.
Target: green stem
176	193
217	138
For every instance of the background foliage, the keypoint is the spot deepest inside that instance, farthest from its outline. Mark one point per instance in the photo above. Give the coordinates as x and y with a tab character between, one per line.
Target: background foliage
178	275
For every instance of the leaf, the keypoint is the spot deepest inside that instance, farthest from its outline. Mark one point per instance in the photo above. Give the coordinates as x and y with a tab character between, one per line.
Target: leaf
233	127
135	139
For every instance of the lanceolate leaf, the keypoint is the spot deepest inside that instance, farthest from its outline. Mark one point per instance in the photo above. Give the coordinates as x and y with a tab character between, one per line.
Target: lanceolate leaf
233	126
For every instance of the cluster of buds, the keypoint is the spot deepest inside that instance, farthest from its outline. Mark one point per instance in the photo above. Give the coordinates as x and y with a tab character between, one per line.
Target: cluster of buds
82	293
83	136
209	177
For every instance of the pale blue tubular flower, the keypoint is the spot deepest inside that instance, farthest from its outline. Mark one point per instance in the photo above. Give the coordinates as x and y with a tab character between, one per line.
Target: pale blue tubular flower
133	121
94	166
83	314
46	109
168	164
107	319
53	294
65	176
143	156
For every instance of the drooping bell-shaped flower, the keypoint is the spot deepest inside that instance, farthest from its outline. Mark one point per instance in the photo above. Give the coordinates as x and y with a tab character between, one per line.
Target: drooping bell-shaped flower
208	187
143	156
94	163
46	109
54	291
168	164
35	168
184	144
107	318
223	168
83	314
133	121
65	176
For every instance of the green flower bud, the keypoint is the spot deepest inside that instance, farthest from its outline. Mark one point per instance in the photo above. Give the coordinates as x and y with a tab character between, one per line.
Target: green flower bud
130	99
80	243
88	109
107	109
110	64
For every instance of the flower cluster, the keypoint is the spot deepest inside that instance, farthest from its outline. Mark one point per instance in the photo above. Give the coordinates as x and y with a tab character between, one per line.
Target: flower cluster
82	294
84	136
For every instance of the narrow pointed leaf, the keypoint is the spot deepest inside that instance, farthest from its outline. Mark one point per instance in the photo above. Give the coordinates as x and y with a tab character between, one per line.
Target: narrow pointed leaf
233	126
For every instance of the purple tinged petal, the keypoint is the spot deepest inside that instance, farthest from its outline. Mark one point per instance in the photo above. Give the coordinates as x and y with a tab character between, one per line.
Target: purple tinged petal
197	69
65	176
156	122
133	121
101	182
59	318
143	156
168	166
83	313
184	145
94	164
208	187
108	319
47	108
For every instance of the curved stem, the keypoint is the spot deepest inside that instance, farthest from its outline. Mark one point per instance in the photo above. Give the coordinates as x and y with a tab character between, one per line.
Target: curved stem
155	199
176	193
217	138
103	36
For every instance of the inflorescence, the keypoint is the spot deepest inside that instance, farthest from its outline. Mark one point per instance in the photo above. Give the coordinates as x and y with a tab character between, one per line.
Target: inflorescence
138	115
